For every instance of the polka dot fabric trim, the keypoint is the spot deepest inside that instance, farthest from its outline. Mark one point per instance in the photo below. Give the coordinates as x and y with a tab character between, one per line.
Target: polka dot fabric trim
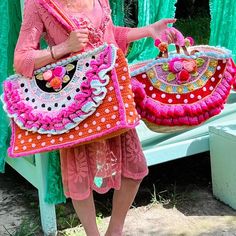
114	116
168	106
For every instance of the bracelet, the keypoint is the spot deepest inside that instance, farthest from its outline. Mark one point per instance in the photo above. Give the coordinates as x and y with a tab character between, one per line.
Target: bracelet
52	54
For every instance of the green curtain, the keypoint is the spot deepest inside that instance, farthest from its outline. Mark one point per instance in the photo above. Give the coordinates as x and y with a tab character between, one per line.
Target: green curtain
223	27
149	12
117	7
54	191
9	28
4	28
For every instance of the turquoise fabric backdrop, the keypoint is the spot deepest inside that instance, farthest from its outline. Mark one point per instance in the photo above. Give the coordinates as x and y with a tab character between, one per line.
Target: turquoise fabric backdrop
4	42
150	11
223	27
9	28
117	7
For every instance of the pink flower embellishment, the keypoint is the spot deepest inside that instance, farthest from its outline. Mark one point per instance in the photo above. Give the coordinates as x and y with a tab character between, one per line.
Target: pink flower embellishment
47	75
190	66
175	65
59	71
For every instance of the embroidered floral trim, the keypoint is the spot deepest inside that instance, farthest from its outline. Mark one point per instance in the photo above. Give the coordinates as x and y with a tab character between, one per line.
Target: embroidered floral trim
96	35
91	94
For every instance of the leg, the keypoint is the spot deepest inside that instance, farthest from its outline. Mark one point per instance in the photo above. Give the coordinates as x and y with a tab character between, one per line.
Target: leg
122	200
85	210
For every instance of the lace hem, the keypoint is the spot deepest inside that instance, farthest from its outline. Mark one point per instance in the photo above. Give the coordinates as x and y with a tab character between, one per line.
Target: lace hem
128	175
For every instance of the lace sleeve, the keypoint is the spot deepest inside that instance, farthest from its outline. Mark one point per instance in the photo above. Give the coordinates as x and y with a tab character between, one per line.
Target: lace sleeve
121	38
28	41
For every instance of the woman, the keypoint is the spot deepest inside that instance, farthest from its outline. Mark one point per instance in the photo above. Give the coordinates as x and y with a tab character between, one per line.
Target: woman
80	165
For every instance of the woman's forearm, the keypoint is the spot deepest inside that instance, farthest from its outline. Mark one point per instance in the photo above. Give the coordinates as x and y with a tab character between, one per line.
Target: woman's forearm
138	33
44	57
155	30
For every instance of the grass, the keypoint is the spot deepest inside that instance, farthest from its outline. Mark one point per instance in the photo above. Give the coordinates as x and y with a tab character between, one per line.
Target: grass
28	227
167	197
78	230
68	223
66	217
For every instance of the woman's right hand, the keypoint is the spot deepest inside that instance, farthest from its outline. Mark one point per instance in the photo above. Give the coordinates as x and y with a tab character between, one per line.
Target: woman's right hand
77	40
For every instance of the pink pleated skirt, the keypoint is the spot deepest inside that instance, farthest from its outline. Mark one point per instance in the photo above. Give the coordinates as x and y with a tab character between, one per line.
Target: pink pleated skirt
100	165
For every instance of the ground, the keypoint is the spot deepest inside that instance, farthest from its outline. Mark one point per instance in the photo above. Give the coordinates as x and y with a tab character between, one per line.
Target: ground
175	199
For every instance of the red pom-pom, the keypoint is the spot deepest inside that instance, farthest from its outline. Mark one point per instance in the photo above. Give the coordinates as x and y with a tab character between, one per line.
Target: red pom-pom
183	76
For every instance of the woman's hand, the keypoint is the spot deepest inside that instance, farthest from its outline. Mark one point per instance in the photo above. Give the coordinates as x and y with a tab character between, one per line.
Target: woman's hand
158	29
77	40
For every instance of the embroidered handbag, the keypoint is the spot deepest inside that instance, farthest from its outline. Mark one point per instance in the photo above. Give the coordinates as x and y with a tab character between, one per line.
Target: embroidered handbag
181	90
77	100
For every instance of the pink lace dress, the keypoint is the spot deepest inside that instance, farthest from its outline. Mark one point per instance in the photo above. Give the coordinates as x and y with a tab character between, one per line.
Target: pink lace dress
101	165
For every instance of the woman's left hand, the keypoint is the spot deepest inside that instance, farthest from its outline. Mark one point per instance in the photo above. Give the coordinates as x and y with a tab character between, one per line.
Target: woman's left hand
157	29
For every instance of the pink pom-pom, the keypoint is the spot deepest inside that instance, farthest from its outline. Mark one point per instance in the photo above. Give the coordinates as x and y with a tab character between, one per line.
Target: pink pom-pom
189	41
183	76
157	42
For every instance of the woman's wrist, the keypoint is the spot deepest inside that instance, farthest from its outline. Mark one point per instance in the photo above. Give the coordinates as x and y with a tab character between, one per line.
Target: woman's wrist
147	31
51	49
60	50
